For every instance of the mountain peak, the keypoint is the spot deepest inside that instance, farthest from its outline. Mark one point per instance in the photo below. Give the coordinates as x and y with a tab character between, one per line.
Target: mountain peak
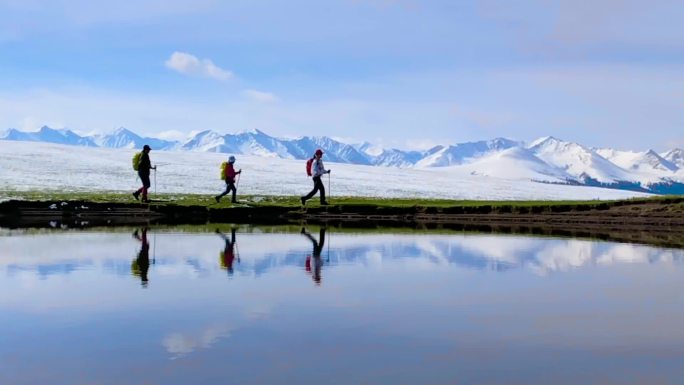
544	140
253	131
122	130
46	129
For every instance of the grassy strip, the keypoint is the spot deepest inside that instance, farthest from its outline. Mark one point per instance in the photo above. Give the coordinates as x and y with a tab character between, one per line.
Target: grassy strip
293	201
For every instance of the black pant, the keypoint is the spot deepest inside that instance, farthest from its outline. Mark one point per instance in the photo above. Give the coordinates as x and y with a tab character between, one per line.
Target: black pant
230	186
318	186
145	179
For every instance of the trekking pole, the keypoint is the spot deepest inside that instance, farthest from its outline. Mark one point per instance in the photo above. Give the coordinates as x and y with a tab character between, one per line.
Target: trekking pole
329	190
154	245
155	182
237	251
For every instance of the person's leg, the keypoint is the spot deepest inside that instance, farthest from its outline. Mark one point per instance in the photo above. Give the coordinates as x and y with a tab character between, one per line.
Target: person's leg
317	184
234	189
218	197
321	187
145	178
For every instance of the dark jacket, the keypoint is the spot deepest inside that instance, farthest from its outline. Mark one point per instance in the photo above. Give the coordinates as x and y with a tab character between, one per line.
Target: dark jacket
144	165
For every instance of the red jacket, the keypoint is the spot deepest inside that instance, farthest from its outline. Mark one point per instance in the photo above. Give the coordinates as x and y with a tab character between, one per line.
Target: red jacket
230	173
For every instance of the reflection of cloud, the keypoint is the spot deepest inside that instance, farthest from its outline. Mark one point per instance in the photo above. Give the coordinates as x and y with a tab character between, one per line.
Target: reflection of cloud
179	344
562	257
628	254
500	249
258	311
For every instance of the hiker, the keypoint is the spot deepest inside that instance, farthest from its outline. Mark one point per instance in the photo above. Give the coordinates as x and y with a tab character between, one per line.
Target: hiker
141	264
228	253
315	258
143	167
317	170
228	174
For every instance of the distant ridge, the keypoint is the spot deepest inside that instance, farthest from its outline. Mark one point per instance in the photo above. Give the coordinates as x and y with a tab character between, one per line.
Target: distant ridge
547	159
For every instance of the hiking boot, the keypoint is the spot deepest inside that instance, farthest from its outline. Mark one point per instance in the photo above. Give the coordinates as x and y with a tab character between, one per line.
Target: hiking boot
303	201
234	202
325	204
146	200
217	198
136	195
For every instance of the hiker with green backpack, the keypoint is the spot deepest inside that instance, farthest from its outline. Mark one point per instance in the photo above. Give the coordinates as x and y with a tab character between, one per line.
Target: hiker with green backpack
228	174
142	164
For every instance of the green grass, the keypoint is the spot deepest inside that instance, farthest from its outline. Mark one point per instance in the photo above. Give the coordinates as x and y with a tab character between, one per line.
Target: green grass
293	201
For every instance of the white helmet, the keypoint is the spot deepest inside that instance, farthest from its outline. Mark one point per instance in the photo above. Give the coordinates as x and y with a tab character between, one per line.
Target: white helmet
231	159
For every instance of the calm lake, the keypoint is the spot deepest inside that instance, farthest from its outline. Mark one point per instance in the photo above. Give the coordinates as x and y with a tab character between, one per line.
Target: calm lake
273	305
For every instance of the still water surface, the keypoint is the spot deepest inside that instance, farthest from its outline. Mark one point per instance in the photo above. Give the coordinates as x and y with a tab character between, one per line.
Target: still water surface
171	307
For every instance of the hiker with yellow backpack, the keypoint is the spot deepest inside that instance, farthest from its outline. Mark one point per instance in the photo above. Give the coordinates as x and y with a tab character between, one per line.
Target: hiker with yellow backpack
142	164
228	174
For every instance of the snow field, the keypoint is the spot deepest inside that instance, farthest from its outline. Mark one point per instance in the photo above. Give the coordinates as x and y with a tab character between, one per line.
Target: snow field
30	166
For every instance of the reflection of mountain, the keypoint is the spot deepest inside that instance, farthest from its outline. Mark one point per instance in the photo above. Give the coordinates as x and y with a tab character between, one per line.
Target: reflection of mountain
480	253
43	271
197	255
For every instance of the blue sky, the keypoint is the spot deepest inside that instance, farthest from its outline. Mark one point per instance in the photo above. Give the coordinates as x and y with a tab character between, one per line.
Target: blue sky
400	73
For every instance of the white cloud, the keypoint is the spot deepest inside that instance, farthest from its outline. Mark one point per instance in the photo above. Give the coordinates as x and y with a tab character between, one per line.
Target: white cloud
260	96
188	64
172	135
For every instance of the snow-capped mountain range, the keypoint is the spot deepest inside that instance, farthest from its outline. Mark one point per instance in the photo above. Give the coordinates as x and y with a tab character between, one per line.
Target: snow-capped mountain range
547	160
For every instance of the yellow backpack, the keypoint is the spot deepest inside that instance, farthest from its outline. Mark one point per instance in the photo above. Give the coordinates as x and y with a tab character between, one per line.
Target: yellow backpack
136	160
223	170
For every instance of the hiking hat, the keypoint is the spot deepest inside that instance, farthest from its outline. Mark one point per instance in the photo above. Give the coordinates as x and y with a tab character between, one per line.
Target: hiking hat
319	152
146	147
231	159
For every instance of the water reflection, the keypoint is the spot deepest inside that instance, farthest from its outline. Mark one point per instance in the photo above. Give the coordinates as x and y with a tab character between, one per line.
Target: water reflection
141	264
194	255
227	256
391	308
314	262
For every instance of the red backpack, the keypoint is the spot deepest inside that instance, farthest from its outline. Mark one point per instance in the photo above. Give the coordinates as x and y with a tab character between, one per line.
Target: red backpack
309	163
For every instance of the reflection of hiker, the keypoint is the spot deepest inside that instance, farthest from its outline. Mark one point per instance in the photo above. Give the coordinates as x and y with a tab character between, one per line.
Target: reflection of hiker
228	253
315	258
141	264
228	174
141	163
317	170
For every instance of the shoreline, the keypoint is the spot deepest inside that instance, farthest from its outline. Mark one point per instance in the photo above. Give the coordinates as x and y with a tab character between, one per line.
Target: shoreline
657	221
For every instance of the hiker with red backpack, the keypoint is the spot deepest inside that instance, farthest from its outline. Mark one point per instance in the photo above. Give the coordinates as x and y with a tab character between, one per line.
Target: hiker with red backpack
228	174
315	169
142	164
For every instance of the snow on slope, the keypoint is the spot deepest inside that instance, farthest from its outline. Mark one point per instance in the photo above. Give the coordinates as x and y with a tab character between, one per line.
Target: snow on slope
578	160
441	156
675	156
646	167
43	166
647	161
516	163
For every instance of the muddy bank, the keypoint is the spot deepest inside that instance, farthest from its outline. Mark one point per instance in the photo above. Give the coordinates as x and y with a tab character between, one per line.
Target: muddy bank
657	222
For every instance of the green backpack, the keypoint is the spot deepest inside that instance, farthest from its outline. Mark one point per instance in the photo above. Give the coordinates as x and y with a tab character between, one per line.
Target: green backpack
136	160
